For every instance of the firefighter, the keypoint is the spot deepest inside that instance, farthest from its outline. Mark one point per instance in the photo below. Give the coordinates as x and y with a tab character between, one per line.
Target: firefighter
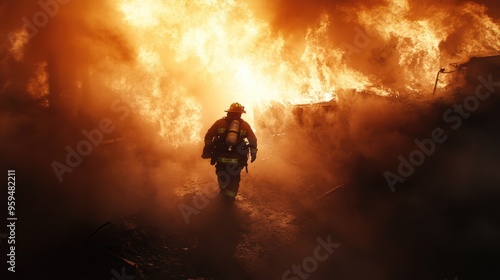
228	143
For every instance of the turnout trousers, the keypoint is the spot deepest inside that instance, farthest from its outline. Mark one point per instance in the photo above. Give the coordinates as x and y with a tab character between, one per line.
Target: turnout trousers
228	177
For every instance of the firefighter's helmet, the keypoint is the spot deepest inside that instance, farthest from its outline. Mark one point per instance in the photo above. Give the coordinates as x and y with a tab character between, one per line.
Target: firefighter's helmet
236	108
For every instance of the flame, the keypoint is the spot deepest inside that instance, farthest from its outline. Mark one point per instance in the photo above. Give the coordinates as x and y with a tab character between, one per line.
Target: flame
481	31
224	45
418	39
221	43
200	53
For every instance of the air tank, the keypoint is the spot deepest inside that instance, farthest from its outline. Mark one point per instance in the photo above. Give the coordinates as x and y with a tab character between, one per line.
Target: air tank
232	133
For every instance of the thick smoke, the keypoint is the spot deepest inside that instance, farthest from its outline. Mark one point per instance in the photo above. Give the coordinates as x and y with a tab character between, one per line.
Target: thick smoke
427	217
359	139
69	183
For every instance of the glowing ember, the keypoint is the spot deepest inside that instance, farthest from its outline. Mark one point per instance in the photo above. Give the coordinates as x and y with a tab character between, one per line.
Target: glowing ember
38	86
18	40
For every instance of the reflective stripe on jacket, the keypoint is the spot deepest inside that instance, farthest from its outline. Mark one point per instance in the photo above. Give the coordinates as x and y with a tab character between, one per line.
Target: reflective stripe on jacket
228	160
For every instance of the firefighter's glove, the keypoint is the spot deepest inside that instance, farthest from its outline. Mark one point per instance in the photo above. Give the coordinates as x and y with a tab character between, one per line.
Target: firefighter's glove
207	152
253	154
